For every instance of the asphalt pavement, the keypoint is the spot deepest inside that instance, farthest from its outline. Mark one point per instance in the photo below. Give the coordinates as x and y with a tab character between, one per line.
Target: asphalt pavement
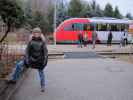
78	77
81	55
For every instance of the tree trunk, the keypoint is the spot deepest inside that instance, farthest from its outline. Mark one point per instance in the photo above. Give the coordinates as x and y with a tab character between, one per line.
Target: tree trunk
5	35
2	39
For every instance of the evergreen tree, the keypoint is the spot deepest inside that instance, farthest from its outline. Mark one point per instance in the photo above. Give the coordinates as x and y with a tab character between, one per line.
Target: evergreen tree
86	9
50	18
61	12
40	21
29	15
99	11
95	10
117	13
129	16
93	5
75	8
11	14
108	11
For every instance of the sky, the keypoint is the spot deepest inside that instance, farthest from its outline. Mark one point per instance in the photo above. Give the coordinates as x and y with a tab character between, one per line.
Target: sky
125	6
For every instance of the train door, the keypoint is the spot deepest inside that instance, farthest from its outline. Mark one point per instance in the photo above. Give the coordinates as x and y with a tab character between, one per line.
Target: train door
71	32
88	29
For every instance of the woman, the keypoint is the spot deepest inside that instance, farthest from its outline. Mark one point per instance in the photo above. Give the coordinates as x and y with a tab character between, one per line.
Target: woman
36	57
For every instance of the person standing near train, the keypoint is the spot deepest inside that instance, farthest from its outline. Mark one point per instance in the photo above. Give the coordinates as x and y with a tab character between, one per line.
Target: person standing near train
110	37
125	35
80	39
94	38
85	39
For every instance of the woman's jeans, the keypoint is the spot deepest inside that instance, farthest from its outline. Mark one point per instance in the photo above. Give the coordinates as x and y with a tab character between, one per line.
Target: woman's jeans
19	69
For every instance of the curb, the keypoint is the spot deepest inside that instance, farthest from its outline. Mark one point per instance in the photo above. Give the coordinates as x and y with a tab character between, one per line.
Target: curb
55	54
3	86
9	89
49	54
113	53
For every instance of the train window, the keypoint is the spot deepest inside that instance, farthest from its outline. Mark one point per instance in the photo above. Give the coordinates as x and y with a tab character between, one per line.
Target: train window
114	27
69	27
123	27
74	27
119	27
108	27
126	26
92	27
78	27
86	27
102	27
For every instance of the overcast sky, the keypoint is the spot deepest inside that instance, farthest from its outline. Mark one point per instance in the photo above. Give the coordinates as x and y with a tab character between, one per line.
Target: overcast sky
125	6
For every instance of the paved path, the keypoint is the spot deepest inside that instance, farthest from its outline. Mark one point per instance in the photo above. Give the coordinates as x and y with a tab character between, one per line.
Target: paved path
70	48
81	55
80	79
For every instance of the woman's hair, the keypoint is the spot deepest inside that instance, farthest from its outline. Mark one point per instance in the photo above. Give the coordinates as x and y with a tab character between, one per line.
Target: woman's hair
42	37
38	30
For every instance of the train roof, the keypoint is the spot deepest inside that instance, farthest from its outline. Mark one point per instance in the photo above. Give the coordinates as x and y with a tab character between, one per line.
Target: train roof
103	20
109	20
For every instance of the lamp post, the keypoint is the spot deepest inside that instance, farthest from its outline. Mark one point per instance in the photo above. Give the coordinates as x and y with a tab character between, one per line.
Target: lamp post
55	13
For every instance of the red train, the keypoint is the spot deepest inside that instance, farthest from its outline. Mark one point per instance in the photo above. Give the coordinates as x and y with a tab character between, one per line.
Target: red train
67	32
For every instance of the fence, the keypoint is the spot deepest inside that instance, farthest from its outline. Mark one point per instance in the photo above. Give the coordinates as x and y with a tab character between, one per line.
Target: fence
9	54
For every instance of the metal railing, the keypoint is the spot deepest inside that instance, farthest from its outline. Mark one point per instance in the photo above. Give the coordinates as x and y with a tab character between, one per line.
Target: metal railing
8	56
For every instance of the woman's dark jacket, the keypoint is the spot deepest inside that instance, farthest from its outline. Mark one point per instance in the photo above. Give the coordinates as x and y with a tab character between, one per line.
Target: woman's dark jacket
36	54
